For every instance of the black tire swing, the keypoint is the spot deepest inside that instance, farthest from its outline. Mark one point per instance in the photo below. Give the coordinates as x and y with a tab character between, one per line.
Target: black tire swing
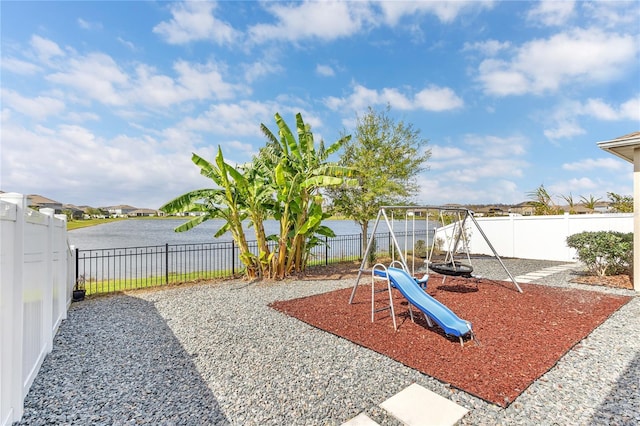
454	269
451	267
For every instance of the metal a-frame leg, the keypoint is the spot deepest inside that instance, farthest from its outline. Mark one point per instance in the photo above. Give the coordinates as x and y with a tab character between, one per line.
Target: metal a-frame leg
375	278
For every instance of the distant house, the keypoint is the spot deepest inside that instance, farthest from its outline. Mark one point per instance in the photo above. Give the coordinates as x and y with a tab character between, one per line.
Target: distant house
143	213
119	211
92	212
76	212
525	209
190	214
489	211
38	202
602	207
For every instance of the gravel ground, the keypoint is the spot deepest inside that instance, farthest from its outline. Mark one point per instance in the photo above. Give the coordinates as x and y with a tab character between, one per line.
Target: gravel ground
217	354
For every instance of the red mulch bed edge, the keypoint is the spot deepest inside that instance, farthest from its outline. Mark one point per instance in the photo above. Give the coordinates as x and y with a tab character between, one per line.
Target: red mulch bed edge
521	335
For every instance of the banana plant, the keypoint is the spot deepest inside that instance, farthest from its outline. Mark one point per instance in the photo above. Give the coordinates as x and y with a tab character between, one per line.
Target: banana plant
299	171
226	202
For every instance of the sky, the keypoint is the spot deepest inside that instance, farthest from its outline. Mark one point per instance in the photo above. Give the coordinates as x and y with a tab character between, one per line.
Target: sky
104	102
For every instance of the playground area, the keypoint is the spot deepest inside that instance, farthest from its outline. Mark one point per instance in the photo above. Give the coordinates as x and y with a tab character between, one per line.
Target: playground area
218	353
514	342
518	336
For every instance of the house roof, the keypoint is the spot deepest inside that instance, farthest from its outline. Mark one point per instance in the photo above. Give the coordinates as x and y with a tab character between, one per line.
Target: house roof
623	146
35	199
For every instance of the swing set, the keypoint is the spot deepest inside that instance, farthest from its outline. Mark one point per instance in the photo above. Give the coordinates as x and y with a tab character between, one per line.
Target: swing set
398	275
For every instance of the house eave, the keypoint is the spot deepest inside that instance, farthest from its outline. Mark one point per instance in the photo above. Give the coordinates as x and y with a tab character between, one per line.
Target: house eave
622	147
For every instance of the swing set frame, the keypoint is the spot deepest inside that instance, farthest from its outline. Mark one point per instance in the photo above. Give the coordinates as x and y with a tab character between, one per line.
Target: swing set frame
463	215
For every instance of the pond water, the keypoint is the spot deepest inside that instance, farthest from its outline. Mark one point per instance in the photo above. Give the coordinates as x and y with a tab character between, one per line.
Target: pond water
151	232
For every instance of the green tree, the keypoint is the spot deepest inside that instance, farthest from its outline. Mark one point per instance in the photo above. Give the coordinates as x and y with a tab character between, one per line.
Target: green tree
620	203
542	202
590	202
570	202
387	155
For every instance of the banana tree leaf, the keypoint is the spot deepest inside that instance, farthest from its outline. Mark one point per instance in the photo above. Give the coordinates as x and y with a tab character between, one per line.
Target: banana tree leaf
321	181
192	223
184	201
223	230
325	231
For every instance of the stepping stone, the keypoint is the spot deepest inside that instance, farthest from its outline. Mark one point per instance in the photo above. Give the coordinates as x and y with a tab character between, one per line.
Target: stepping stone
360	420
416	405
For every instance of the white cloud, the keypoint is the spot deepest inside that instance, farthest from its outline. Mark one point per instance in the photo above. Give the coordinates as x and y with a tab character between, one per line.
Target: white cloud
594	164
551	12
325	70
564	121
488	47
439	152
45	49
434	191
432	98
435	98
86	25
601	110
241	119
72	161
194	21
544	65
446	11
18	66
494	146
480	157
580	186
564	129
618	15
99	78
127	43
631	109
96	75
312	20
39	107
261	68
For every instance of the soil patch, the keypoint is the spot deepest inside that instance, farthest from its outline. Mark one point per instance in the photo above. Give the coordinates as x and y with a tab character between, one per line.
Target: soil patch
614	281
521	335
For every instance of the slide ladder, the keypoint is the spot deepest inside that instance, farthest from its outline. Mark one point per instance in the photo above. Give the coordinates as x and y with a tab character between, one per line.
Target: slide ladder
433	310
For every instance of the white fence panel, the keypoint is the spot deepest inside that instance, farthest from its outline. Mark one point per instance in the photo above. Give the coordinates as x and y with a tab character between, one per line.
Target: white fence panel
10	313
540	237
35	292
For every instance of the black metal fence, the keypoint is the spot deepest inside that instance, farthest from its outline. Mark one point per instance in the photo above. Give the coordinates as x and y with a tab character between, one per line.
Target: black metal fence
117	269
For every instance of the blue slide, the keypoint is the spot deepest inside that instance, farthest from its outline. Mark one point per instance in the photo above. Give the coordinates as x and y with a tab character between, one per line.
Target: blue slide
410	289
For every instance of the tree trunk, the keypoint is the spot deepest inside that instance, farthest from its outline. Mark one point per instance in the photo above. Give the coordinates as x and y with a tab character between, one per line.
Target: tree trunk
364	228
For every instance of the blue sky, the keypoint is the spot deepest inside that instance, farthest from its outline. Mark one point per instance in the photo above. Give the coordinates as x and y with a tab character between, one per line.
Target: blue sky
103	102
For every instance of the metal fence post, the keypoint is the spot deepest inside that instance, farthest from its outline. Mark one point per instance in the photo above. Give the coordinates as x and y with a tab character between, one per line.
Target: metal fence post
326	250
233	259
77	264
166	263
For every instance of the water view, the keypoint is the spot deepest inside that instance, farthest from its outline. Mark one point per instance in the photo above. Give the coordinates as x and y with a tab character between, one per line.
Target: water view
138	233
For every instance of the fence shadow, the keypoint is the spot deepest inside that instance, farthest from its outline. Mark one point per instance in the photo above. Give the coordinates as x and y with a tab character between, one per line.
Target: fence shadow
622	405
116	362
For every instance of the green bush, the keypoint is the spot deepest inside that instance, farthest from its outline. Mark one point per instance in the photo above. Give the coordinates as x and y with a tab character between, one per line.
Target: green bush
372	257
604	252
420	250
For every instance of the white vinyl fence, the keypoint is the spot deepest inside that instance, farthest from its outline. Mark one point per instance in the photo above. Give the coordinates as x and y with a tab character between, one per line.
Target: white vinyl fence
36	284
536	237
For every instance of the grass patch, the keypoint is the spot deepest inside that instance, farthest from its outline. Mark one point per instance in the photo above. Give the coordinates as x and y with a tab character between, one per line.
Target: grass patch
124	284
85	223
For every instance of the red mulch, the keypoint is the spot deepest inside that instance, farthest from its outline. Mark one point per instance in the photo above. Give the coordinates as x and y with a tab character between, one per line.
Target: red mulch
521	335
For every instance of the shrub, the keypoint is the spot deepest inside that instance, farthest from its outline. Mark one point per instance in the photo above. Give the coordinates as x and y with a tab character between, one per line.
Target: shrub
420	249
372	257
604	252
